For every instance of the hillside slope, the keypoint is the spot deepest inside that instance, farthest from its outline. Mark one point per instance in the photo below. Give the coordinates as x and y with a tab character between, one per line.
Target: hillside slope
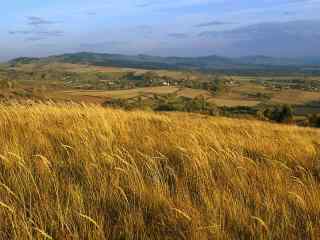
82	172
212	62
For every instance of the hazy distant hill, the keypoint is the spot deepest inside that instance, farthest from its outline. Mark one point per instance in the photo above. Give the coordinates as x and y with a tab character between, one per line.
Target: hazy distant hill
265	60
24	60
146	61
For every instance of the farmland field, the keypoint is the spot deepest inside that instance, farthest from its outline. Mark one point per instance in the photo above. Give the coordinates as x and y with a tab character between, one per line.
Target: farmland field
94	84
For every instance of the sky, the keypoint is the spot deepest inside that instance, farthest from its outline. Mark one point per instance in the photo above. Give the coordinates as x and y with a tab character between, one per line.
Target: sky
286	28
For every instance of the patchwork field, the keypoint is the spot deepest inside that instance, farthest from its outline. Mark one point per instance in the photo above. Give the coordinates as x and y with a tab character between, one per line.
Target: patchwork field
296	97
91	82
120	94
234	97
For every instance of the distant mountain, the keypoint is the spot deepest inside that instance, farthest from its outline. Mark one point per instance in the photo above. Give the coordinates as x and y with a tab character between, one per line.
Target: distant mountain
272	61
155	62
24	60
135	61
146	61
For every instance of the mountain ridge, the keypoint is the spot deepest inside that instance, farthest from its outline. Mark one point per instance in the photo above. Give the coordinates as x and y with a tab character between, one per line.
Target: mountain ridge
148	61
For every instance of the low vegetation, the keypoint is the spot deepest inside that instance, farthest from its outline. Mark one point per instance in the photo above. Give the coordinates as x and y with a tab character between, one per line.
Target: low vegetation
87	172
166	103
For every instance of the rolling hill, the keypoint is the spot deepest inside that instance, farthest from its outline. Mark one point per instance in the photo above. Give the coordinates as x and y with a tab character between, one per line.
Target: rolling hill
155	62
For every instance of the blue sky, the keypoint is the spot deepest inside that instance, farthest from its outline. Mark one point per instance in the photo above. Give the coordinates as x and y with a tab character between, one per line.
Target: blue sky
160	27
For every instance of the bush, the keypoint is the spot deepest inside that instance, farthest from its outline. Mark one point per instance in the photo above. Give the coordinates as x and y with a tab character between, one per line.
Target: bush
314	120
282	114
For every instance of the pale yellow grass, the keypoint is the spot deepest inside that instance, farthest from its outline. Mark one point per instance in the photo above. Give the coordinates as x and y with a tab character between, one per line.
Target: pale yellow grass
295	97
77	172
121	93
225	102
193	93
99	96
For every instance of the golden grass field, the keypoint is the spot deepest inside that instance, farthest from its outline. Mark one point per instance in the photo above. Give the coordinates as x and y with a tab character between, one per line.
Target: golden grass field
85	172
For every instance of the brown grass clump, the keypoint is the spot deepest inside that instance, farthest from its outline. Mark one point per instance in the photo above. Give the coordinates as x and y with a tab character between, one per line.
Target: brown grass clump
84	172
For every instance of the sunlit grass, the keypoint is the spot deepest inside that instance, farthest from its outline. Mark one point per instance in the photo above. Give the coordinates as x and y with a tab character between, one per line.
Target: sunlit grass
84	172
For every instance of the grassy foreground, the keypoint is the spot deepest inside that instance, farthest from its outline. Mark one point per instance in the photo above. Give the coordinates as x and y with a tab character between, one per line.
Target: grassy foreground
77	172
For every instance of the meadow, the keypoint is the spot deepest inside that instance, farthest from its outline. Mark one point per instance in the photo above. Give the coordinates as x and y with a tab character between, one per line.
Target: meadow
70	171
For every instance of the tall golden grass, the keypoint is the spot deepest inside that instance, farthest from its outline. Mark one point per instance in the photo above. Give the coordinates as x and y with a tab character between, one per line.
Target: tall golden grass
85	172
